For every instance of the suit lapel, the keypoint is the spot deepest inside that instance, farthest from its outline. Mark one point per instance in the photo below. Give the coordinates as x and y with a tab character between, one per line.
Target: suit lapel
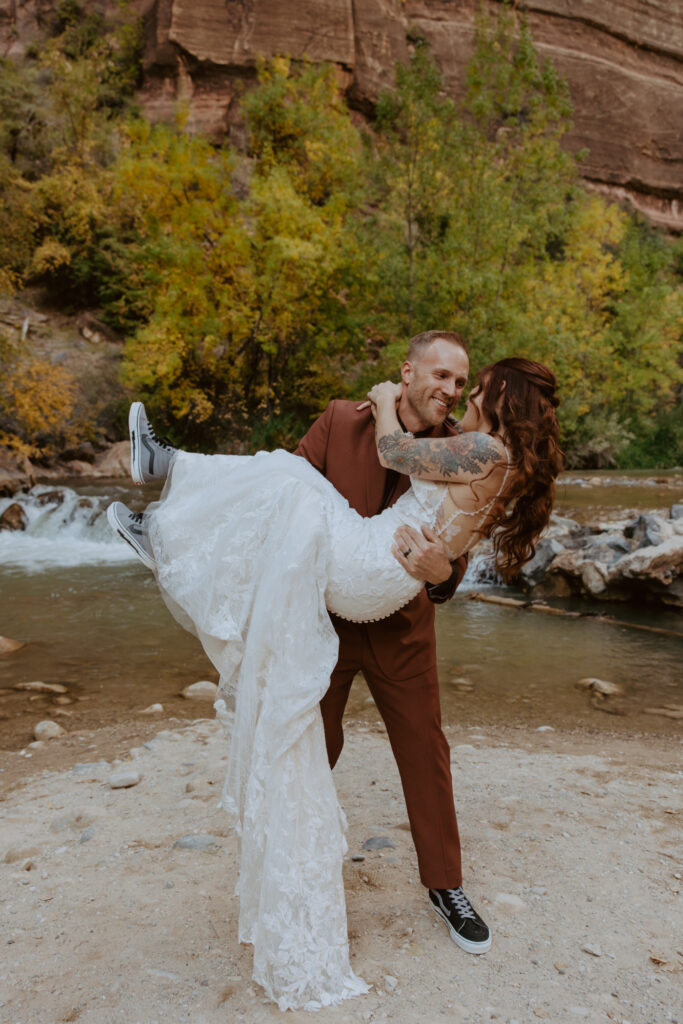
375	474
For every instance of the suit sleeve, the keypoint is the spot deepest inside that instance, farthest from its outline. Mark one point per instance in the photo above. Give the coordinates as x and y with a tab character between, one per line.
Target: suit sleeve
313	445
438	593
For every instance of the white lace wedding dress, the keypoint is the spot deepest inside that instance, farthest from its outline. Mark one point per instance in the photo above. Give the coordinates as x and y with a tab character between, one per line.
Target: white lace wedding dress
251	552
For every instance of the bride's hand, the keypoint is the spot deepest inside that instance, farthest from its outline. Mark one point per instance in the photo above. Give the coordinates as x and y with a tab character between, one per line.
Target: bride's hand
386	390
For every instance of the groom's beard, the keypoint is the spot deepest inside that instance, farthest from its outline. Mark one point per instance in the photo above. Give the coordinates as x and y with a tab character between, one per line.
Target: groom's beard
429	408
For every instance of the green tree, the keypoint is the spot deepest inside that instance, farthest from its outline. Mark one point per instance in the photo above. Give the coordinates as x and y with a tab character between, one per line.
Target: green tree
238	266
478	223
466	199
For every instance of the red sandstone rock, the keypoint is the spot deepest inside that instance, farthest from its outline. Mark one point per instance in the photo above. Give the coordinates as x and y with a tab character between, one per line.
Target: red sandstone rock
623	61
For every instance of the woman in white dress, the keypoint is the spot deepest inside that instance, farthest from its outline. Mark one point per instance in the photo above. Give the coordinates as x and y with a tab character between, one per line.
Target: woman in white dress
250	552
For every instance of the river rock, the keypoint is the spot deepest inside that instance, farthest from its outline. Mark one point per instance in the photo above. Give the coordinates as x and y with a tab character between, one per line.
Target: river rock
153	709
600	686
39	687
677	512
658	561
593	577
203	690
48	730
115	462
378	843
648	530
7	645
13	518
641	558
55	498
546	550
125	778
607	548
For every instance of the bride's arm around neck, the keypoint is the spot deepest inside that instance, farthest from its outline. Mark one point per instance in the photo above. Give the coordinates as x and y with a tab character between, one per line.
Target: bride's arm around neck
463	458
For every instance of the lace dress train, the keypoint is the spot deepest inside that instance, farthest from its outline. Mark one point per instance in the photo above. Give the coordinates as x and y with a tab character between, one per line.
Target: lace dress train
250	553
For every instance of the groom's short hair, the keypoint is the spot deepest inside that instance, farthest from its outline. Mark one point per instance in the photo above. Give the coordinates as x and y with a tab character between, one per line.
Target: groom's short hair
418	344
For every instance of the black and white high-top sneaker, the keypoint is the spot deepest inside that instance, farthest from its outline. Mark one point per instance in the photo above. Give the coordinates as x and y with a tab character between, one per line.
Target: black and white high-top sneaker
131	527
150	456
464	924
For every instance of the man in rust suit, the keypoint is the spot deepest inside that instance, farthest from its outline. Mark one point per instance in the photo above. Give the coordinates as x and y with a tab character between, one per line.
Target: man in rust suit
397	655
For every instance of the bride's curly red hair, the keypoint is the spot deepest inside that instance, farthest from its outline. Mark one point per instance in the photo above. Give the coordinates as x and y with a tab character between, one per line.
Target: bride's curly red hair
520	401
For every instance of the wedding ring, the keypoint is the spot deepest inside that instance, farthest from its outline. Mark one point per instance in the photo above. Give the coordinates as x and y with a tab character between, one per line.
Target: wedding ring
406	553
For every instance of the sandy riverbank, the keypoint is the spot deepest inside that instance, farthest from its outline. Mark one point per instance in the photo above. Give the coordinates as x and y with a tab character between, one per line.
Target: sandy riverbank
569	847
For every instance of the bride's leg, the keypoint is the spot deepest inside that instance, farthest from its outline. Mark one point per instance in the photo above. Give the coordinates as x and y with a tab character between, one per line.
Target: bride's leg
150	455
130	526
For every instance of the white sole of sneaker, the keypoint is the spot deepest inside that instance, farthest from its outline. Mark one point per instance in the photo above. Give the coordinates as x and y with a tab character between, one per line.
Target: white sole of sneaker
118	527
469	947
134	430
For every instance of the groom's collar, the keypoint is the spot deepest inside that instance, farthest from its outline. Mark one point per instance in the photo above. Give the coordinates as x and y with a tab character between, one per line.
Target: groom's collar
429	432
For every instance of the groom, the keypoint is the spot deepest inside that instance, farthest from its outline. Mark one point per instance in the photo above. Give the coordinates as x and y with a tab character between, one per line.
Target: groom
397	655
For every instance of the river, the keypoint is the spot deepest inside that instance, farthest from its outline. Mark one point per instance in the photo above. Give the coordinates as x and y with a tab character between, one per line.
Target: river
91	619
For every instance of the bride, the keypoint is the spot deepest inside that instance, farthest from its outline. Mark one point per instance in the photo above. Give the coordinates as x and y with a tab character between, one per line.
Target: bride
250	553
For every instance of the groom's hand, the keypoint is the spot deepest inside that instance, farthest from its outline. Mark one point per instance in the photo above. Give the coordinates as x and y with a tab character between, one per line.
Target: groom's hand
427	558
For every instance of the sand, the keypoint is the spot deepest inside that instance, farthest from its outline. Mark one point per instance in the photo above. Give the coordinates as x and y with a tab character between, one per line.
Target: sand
569	853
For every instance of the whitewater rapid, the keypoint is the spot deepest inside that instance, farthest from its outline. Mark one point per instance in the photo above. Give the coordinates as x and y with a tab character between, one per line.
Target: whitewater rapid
63	529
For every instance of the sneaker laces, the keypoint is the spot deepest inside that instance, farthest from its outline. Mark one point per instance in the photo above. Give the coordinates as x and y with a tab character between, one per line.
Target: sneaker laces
461	903
163	442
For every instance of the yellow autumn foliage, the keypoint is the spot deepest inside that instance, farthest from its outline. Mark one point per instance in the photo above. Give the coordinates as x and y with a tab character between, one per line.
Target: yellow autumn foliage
40	400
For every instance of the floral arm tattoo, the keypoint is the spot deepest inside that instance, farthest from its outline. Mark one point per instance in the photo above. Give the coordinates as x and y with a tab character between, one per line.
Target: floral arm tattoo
465	457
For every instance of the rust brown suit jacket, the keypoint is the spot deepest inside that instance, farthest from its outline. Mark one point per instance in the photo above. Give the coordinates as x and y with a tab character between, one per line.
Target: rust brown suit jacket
341	445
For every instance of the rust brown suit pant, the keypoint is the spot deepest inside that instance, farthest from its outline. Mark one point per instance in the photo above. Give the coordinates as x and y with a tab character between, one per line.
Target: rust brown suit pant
396	655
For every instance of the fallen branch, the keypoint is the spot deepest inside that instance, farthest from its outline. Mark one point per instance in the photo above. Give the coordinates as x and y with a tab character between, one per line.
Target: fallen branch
545	609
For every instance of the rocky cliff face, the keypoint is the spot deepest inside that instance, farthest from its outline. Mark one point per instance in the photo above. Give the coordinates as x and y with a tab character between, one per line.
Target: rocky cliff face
623	61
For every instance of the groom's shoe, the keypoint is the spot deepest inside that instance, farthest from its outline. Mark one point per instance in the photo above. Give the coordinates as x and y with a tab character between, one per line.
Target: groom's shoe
150	456
130	526
466	927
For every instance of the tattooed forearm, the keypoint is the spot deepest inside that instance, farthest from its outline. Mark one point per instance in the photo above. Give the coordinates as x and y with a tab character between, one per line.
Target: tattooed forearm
465	456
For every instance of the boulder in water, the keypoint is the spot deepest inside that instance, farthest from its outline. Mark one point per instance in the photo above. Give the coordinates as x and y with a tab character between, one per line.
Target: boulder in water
648	530
658	565
153	709
7	646
13	518
642	559
48	730
39	687
600	686
50	498
203	690
546	550
115	462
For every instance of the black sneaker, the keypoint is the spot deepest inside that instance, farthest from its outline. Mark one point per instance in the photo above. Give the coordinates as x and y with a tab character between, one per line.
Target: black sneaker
466	927
150	456
130	526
